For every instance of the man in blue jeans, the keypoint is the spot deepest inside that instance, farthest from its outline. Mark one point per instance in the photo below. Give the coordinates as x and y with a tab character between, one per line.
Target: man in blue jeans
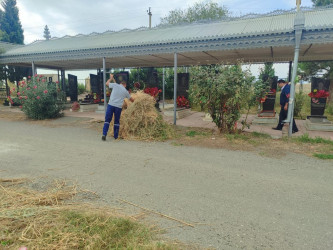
118	94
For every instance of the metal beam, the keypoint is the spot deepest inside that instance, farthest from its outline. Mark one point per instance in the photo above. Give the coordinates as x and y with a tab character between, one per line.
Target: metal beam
138	59
192	59
210	55
308	48
159	57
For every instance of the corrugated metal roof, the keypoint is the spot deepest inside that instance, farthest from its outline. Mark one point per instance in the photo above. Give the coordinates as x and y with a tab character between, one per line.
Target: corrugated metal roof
221	29
4	46
318	19
269	37
282	23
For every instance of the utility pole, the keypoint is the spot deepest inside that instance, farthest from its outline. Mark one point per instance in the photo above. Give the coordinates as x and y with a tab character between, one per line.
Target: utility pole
298	4
149	14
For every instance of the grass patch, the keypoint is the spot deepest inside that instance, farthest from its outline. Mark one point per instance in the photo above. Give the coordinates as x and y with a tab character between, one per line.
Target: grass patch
247	136
260	135
45	220
324	156
261	143
193	133
306	139
232	137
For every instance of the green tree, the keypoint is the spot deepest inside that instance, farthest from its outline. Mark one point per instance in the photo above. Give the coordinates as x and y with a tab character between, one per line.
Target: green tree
263	86
199	11
12	32
258	91
10	23
322	2
223	89
47	34
2	33
267	72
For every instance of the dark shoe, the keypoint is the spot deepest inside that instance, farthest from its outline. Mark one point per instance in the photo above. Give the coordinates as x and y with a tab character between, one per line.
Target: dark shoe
277	128
295	131
103	138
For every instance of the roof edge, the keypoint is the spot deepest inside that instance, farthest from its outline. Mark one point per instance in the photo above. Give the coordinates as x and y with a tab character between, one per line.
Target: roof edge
226	19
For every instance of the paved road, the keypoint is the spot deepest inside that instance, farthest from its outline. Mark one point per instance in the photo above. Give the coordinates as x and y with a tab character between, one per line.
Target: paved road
234	199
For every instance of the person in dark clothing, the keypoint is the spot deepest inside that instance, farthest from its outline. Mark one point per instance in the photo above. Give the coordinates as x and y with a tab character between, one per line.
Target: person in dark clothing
284	100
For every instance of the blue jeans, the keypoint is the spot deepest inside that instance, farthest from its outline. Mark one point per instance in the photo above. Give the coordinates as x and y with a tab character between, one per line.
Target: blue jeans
108	117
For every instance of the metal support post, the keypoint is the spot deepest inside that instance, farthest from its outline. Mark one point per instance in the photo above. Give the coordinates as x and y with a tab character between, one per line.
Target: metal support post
299	26
292	93
175	90
63	83
104	86
163	87
33	68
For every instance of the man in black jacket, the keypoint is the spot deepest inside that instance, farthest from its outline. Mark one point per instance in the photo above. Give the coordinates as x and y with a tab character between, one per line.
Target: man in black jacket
284	100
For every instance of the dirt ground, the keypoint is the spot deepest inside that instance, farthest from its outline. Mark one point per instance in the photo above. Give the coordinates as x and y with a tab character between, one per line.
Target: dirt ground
233	194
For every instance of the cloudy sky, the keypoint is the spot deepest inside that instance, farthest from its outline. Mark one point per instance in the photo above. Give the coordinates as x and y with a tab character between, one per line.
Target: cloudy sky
72	17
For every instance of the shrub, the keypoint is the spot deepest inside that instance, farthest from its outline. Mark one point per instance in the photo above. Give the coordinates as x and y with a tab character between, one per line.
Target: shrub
299	103
40	99
223	90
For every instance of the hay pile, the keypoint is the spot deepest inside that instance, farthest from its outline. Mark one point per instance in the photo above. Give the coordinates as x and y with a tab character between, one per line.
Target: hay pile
140	120
51	219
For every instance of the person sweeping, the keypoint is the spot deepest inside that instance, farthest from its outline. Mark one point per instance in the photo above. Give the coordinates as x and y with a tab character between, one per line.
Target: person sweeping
119	93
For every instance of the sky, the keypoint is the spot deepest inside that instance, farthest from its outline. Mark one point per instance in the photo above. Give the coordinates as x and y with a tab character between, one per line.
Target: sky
72	17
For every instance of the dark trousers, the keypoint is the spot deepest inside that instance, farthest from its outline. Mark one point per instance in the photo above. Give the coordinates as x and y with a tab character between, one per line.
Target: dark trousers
282	116
111	110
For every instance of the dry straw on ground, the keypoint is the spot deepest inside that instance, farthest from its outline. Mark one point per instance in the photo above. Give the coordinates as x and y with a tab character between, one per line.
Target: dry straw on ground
46	220
141	120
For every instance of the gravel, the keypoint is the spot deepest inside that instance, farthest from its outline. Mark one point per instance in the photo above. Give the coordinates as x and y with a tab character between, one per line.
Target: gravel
234	199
